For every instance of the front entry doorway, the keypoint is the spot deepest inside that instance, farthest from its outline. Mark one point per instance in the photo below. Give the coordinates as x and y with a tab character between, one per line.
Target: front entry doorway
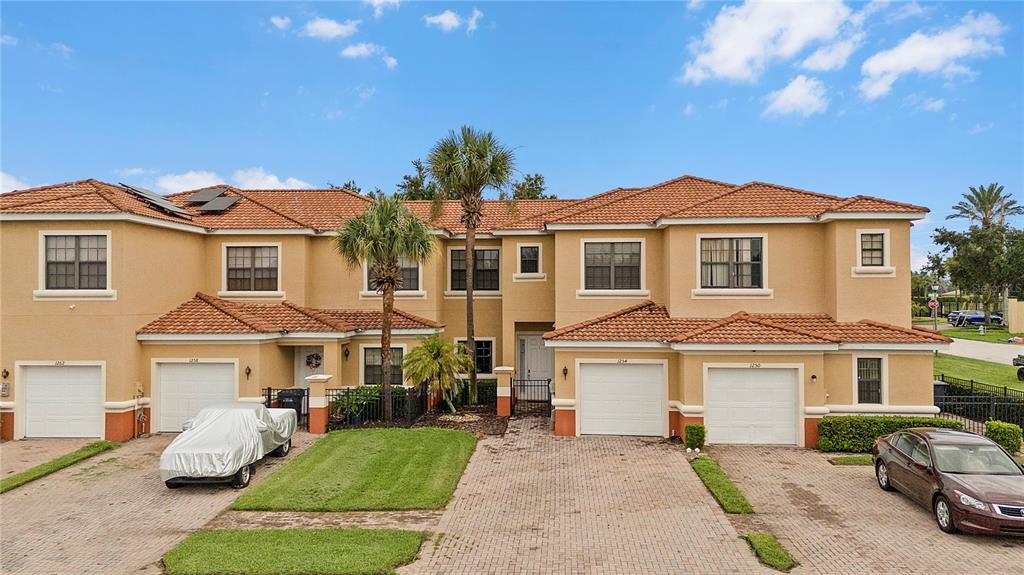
309	360
535	360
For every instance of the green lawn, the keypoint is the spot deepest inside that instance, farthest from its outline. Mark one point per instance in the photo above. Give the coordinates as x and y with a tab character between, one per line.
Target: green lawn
978	370
770	551
992	335
851	460
368	470
31	474
720	486
293	552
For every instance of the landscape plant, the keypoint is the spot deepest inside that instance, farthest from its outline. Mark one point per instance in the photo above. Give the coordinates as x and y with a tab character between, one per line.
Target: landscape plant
857	433
1007	435
693	434
439	363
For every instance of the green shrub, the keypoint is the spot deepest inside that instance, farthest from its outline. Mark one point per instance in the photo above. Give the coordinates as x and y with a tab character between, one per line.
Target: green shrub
1008	435
856	433
694	435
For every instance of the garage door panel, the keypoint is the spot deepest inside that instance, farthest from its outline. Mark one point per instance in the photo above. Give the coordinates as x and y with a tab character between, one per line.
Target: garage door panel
622	399
63	401
751	406
186	388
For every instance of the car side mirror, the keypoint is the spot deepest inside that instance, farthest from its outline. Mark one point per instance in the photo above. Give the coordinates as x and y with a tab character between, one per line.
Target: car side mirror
188	424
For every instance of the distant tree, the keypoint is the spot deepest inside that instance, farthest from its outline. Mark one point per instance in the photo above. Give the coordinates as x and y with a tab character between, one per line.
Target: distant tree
421	185
350	185
531	187
984	260
986	205
920	284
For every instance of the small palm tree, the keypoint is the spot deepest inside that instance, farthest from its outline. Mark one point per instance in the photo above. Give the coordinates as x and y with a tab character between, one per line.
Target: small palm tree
438	362
464	164
986	205
382	235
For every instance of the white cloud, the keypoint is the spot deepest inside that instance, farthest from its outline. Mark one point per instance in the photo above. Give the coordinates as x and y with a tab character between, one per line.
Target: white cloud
933	104
327	29
258	178
366	93
804	96
366	50
332	115
390	61
131	172
974	36
688	110
62	49
906	10
744	39
380	5
694	5
979	128
446	21
10	183
190	180
281	22
8	40
833	56
475	18
721	104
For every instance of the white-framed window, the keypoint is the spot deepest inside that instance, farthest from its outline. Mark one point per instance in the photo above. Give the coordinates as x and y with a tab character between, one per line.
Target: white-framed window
486	274
731	266
412	274
613	267
251	269
870	378
75	265
529	262
370	366
484	356
873	254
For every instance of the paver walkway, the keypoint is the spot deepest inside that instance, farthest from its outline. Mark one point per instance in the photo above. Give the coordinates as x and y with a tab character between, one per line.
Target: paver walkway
1002	353
17	456
835	519
110	514
533	503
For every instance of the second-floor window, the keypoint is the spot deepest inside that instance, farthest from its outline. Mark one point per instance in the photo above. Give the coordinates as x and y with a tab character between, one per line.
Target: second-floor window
869	380
252	268
529	259
731	263
485	270
410	275
872	249
76	262
611	265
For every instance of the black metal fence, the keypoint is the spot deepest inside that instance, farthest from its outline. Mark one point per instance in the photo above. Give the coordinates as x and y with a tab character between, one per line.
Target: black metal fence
973	402
531	397
486	393
971	387
295	398
364	406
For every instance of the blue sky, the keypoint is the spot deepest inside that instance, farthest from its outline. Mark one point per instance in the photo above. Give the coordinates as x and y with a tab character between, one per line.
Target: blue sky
905	100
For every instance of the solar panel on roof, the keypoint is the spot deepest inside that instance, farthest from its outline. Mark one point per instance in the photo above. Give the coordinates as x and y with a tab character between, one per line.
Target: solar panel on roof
219	204
203	196
156	200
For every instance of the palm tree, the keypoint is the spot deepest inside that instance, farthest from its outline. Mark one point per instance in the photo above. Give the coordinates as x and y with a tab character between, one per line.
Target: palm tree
465	163
382	235
986	205
440	363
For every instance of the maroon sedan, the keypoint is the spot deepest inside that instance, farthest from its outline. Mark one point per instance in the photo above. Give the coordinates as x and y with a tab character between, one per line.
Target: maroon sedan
968	481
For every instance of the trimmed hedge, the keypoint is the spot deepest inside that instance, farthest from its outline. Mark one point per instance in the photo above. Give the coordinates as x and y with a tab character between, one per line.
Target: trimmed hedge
1008	435
694	435
856	433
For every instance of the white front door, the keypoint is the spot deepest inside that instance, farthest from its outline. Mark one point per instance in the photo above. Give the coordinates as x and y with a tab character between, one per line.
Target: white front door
535	360
63	401
751	405
623	399
185	388
309	360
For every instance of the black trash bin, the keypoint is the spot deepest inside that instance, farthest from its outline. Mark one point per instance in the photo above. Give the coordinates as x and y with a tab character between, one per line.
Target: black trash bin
291	399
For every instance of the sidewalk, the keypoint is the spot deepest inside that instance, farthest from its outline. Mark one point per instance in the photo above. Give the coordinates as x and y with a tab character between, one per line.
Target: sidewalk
1001	353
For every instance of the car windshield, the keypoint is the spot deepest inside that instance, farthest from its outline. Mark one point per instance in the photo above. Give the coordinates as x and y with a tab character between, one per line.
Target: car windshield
974	460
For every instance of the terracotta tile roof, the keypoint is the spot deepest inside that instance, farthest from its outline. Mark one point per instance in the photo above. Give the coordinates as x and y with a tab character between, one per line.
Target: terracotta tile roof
758	199
204	314
641	205
319	209
82	196
648	321
497	214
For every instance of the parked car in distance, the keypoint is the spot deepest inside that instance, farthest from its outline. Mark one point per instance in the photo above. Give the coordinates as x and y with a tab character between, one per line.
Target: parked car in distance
968	481
972	317
222	442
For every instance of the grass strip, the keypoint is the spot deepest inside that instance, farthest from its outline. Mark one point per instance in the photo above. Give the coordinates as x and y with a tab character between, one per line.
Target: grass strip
851	460
720	486
769	551
44	469
998	374
293	552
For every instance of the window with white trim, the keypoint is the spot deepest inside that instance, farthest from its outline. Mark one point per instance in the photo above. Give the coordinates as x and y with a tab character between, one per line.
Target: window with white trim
872	249
529	259
485	270
869	380
484	354
373	371
731	263
410	271
252	268
76	262
611	265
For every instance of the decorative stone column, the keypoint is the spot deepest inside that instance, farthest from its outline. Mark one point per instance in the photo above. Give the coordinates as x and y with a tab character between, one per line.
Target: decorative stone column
318	402
504	390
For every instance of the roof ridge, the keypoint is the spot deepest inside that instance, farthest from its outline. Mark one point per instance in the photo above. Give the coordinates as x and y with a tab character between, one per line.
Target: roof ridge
744	316
92	181
262	205
635	192
417	318
572	202
96	192
706	200
689	176
912	331
319	316
799	190
224	307
854	199
573	327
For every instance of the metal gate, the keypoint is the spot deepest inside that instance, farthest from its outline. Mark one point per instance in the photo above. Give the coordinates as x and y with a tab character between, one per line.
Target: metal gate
531	397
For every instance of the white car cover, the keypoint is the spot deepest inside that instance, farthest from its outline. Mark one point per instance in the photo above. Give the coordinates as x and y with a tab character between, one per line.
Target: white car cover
223	438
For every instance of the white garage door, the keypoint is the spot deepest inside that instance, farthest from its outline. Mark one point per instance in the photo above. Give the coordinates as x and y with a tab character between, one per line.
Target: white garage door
622	399
64	401
751	406
185	388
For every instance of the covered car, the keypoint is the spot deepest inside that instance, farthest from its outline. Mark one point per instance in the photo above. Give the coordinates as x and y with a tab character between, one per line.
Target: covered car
222	442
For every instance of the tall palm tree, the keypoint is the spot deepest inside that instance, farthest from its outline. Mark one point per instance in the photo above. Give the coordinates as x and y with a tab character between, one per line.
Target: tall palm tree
465	163
382	235
438	362
986	205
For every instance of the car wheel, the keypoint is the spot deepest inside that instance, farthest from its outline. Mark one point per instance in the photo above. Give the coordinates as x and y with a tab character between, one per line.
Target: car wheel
282	449
944	514
882	475
174	484
242	477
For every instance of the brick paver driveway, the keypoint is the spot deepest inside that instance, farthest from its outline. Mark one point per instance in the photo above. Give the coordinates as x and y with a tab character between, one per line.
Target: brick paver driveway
533	503
836	520
17	456
109	514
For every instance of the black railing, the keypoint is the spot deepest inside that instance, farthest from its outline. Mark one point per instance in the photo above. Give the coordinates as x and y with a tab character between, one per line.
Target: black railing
531	397
974	410
295	398
364	406
486	394
960	386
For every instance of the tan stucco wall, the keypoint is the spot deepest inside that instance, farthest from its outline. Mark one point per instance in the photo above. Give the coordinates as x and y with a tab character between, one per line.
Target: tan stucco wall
565	386
908	378
1015	316
879	298
693	372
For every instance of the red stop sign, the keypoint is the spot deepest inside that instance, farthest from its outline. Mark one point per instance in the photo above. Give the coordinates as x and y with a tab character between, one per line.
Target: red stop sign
932	304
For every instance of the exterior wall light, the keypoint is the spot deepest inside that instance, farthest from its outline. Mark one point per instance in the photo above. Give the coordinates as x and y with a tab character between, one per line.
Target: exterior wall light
248	372
5	374
345	353
814	378
565	372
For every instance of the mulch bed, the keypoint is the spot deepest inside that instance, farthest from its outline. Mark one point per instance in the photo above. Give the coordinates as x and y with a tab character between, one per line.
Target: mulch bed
480	420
